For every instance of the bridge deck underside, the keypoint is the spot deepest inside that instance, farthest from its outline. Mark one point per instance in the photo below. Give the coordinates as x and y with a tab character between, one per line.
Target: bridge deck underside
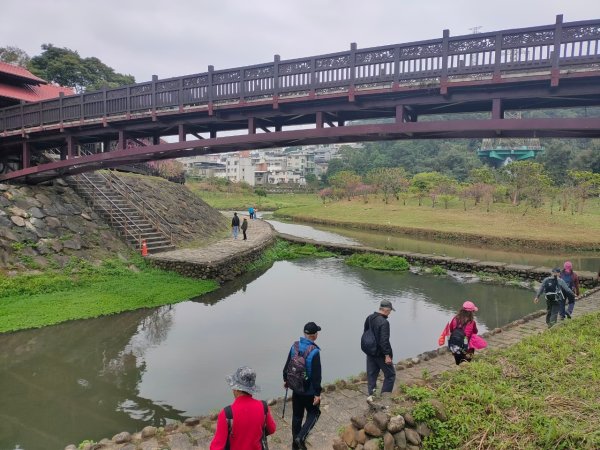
412	113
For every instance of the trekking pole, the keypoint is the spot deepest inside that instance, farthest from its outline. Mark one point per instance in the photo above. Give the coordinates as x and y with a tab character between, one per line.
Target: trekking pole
284	402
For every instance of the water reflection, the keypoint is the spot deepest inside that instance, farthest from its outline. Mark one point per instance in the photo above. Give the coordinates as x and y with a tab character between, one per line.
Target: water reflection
588	261
90	379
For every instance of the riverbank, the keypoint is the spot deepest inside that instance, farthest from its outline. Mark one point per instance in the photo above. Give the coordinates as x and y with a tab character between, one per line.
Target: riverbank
490	394
505	225
82	290
490	268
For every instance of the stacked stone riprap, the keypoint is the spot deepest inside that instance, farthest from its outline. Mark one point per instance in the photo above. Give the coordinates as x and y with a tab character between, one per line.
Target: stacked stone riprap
45	226
379	427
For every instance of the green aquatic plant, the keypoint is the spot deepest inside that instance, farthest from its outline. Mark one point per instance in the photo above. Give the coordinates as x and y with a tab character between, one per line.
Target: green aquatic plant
378	262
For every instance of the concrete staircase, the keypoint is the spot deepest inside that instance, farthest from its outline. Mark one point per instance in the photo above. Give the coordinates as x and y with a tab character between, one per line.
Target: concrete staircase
124	210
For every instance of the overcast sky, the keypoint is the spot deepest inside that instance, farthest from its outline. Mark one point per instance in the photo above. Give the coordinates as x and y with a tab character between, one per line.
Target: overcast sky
179	37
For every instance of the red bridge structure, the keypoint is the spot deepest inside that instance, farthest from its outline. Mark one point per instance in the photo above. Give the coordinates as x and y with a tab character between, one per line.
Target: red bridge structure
320	99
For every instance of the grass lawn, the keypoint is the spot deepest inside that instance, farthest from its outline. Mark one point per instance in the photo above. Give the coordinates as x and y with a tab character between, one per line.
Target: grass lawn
504	221
83	291
241	201
543	393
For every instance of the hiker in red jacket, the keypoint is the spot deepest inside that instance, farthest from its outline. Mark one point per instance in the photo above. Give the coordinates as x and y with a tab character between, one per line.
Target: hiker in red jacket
251	419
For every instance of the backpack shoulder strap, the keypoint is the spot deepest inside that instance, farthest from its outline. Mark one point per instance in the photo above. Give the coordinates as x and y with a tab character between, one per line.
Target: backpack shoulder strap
229	418
265	408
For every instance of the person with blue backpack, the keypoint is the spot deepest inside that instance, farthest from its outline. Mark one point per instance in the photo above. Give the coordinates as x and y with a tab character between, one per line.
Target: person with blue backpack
302	374
554	289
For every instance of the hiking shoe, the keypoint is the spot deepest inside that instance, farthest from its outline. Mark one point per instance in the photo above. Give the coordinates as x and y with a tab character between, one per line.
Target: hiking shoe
568	315
370	399
298	444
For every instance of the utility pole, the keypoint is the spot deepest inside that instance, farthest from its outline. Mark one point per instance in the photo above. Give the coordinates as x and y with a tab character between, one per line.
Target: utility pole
475	29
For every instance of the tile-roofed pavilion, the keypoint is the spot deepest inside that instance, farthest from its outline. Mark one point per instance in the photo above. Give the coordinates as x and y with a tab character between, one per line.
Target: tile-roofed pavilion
17	84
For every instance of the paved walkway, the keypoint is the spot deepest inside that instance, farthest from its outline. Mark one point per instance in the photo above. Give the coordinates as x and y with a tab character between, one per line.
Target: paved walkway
259	233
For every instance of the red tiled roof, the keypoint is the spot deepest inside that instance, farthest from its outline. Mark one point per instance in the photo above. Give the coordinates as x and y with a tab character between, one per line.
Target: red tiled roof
19	72
33	93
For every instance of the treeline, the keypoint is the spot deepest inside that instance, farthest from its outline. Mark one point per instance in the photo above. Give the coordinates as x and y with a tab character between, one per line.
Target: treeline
67	68
458	158
518	182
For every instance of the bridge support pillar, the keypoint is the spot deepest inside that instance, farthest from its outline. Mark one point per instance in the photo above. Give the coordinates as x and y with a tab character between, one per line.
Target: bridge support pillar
26	156
70	147
122	145
182	133
155	139
497	109
401	114
251	125
319	119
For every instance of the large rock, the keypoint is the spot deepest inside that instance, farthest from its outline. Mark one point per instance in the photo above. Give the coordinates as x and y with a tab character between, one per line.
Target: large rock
16	211
361	437
148	432
338	444
400	440
423	430
412	436
372	429
372	444
440	410
349	436
18	221
388	441
358	421
36	212
122	438
409	419
381	419
396	424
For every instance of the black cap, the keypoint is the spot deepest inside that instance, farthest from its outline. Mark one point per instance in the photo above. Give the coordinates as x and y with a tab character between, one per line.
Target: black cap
311	328
386	304
556	270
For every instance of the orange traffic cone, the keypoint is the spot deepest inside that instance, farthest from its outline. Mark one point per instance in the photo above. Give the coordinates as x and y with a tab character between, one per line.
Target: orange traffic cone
144	248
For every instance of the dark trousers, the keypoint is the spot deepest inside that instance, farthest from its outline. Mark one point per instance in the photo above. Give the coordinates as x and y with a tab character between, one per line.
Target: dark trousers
301	403
374	365
570	299
244	231
552	309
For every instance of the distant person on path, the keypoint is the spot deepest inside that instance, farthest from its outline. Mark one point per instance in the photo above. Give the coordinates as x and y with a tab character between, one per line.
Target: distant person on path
572	280
554	290
251	212
302	374
461	330
246	422
235	225
244	227
381	359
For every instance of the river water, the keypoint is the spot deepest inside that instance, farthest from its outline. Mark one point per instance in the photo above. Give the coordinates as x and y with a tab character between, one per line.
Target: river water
90	379
588	261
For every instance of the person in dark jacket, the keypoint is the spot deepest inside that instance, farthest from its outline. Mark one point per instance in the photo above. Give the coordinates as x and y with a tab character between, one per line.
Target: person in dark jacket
382	361
244	227
310	398
554	289
235	225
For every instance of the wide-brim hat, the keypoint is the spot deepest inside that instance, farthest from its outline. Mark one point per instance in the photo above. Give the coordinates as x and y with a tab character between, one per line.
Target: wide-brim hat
243	379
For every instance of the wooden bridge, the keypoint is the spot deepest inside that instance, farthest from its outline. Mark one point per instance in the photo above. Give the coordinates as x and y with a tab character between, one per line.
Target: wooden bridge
331	98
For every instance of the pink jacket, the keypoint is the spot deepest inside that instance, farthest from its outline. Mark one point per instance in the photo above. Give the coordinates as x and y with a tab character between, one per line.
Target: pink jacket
470	328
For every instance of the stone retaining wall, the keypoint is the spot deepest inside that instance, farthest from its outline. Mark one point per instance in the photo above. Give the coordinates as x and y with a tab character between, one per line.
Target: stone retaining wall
586	279
222	270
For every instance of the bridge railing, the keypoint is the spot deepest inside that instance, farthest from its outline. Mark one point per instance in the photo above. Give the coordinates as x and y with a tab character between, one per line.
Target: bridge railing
484	55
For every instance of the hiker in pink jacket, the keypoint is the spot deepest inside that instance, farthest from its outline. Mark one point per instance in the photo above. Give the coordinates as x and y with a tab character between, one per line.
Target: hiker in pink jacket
461	329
